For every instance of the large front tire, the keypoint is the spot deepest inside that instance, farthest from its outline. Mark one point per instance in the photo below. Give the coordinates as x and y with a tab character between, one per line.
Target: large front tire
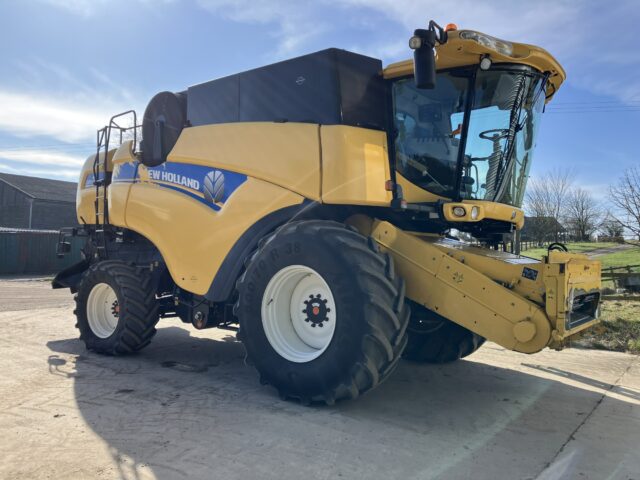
116	308
321	312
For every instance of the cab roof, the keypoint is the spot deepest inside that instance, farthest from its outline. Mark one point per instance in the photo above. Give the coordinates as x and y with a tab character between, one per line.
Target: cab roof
459	51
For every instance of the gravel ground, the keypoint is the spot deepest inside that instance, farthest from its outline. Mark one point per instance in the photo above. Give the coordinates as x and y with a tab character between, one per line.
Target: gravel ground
189	407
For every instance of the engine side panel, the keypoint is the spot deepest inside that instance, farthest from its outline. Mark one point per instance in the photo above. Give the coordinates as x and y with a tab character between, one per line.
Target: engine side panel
285	154
355	166
194	218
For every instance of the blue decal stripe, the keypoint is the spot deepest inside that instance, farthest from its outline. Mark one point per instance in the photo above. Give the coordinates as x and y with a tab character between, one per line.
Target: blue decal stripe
90	181
182	176
201	200
126	173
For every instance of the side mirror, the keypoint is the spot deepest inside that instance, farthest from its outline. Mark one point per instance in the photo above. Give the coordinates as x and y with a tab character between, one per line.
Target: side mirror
424	62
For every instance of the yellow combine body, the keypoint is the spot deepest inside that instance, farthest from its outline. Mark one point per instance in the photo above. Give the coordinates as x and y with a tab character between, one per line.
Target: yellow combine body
322	239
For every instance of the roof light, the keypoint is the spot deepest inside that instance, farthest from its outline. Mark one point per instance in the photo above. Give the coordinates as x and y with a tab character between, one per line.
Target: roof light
501	46
485	62
451	27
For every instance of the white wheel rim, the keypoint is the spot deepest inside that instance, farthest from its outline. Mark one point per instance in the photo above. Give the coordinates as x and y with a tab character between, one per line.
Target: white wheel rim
298	313
102	310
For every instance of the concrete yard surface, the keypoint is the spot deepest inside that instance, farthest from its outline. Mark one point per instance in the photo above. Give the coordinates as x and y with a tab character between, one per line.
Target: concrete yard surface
189	406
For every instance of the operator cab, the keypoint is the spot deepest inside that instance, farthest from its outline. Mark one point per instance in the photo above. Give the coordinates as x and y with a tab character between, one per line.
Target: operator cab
463	125
472	136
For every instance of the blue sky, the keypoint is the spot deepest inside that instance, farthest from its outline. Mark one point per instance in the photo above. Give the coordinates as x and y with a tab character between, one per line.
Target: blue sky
67	65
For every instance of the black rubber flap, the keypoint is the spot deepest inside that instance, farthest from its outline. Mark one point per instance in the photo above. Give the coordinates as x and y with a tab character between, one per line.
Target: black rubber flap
164	119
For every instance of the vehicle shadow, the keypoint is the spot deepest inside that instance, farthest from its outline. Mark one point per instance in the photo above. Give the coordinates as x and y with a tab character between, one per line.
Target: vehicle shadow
191	406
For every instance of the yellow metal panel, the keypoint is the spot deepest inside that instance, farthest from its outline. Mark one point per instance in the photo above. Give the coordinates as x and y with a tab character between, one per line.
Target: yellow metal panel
194	239
85	209
118	192
486	210
463	294
355	166
117	203
413	193
503	267
123	154
487	291
286	154
86	194
564	275
458	52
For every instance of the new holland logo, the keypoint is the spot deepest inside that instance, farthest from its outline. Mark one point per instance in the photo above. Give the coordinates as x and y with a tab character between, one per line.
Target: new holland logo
213	187
175	178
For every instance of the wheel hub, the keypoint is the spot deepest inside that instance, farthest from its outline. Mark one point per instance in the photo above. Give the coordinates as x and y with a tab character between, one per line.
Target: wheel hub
115	309
103	310
298	313
316	310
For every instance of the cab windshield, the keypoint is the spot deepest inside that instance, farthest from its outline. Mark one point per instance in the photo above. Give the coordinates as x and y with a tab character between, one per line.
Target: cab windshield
469	147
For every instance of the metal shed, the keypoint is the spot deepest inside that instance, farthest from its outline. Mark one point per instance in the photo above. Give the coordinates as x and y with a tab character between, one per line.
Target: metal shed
36	203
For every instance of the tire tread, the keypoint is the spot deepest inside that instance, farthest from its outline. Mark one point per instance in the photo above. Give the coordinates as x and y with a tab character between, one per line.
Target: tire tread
382	347
140	310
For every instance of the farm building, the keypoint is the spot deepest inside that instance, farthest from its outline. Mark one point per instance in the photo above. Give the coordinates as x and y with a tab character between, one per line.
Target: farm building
36	203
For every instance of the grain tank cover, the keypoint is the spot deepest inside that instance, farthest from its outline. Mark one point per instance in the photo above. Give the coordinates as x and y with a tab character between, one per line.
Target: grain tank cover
329	87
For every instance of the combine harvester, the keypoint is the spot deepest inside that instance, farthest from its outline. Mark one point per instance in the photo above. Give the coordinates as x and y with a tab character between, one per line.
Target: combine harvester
306	205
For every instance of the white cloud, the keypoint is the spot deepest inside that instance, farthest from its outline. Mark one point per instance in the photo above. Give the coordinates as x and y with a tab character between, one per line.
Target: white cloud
42	157
590	38
60	173
41	163
575	31
35	115
296	22
89	8
84	8
55	115
71	110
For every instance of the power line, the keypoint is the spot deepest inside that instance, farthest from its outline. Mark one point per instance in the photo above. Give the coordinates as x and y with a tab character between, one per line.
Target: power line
591	102
594	107
592	112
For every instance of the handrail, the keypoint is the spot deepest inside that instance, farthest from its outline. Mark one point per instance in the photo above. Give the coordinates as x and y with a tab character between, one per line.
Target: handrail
103	138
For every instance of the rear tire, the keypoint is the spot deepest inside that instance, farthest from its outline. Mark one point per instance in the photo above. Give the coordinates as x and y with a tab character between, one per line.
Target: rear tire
116	308
435	339
364	309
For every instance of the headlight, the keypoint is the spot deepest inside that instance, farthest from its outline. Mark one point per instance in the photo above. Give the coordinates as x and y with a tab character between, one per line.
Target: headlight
475	211
459	211
500	46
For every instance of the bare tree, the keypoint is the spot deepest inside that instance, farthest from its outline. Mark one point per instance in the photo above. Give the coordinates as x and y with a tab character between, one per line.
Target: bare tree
625	196
612	229
582	214
545	200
